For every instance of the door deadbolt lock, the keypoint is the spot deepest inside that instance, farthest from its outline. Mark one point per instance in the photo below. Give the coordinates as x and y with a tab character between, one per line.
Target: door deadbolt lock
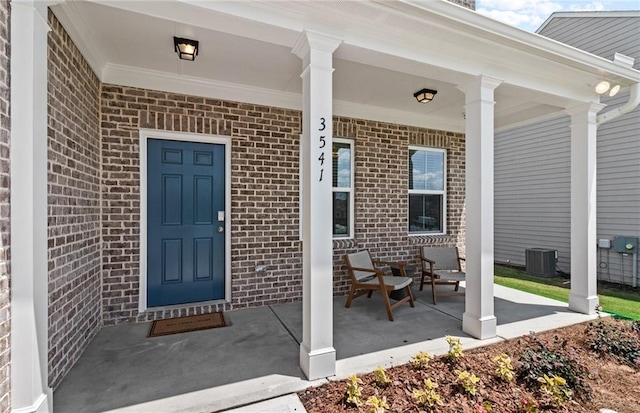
220	229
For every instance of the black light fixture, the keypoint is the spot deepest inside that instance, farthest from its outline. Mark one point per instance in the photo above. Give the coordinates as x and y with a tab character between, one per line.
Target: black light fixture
187	49
425	95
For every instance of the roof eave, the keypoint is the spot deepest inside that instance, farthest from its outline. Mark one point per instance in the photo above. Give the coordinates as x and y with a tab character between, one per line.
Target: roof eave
510	36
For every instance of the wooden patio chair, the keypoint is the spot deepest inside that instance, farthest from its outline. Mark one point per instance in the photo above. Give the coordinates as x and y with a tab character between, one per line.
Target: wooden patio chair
367	278
441	266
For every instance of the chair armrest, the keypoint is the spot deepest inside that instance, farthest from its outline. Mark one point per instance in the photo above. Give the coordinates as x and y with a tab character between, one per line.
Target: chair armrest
431	264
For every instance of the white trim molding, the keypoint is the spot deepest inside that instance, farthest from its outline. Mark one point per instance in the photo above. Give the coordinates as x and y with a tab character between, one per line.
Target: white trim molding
214	89
350	189
197	86
39	406
443	192
83	37
30	391
146	134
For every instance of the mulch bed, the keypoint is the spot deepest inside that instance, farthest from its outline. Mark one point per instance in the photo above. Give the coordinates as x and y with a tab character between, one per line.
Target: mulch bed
607	383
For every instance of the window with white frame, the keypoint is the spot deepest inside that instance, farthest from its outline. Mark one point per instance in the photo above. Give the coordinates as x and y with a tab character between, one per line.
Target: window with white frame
342	153
427	190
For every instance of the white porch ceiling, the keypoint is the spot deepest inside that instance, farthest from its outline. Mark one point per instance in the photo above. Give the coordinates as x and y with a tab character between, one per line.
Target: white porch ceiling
245	55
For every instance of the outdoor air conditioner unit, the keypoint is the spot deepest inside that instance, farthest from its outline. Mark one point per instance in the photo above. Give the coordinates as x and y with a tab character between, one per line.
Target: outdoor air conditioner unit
540	261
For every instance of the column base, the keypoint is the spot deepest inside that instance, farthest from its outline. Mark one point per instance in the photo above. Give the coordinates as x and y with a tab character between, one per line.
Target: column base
482	328
317	364
43	404
584	305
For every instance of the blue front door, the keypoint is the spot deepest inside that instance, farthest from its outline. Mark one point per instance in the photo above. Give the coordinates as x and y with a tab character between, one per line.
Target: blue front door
185	222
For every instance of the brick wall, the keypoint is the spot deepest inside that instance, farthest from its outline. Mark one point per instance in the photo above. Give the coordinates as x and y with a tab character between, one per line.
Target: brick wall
381	192
73	203
264	186
264	194
5	219
470	4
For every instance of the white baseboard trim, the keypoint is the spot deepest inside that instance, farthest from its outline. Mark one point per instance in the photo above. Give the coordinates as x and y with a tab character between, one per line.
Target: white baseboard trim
41	405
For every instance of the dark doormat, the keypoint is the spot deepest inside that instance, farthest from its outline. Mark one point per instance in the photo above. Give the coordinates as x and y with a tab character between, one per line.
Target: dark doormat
187	323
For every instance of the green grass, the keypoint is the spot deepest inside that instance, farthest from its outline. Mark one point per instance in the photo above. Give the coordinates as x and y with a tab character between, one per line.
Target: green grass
613	300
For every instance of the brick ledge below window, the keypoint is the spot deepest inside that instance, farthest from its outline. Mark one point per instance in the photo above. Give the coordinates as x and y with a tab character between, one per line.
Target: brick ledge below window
431	239
343	244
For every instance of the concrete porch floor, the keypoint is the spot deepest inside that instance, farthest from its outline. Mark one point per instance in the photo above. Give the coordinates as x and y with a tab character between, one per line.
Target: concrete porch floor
256	356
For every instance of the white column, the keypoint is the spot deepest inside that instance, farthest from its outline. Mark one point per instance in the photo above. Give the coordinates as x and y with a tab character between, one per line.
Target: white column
317	355
479	319
583	297
29	298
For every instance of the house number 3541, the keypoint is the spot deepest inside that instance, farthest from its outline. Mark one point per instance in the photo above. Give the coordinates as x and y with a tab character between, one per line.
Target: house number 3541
321	145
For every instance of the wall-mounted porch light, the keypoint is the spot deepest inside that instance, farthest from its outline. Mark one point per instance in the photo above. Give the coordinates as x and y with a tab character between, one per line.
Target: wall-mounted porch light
604	86
614	90
187	49
425	95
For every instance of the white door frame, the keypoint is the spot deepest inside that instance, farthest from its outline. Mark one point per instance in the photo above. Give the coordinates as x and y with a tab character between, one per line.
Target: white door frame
146	134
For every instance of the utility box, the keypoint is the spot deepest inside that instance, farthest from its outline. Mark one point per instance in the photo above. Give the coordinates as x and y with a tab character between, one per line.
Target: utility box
604	243
540	261
625	245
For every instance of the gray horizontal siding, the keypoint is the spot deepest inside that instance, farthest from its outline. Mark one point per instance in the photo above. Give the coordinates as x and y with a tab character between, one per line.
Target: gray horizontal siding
618	189
532	164
532	184
602	36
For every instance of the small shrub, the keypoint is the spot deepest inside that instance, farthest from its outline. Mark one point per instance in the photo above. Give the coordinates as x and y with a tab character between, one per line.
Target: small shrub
455	349
529	406
620	340
377	405
381	378
420	360
354	392
504	369
468	381
556	387
549	357
428	397
485	407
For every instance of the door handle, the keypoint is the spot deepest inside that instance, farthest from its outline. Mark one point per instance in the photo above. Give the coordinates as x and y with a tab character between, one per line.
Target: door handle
220	229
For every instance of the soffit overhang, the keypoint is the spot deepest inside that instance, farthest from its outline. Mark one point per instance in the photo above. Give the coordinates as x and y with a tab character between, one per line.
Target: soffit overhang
432	40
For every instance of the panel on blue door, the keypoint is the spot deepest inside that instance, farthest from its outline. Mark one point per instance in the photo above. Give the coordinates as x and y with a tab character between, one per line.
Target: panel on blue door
172	199
203	202
185	250
203	158
203	249
171	260
171	156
